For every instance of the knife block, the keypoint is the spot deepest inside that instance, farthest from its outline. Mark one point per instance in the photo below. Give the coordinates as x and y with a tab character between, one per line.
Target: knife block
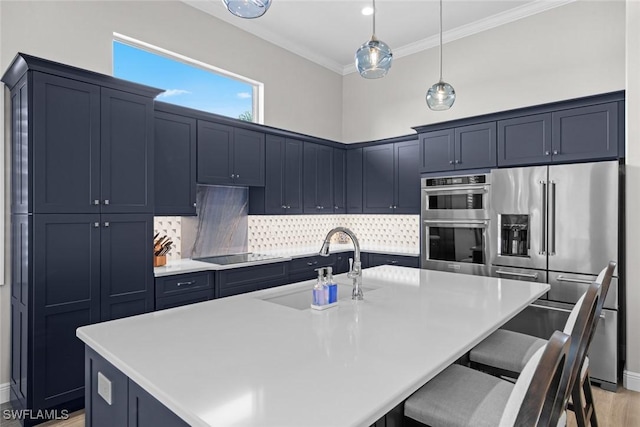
159	261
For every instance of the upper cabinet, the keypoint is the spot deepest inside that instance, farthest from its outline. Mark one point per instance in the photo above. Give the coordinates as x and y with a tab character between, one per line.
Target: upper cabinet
339	180
354	180
175	164
282	193
318	178
391	182
92	150
230	156
584	133
464	147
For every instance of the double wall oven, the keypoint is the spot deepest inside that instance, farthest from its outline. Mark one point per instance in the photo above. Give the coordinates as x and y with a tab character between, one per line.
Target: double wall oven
455	223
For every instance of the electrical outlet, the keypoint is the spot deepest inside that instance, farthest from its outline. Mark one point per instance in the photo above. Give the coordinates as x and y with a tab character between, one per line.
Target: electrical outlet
104	388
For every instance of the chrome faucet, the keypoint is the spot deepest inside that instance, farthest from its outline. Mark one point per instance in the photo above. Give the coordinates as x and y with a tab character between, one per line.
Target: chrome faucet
355	267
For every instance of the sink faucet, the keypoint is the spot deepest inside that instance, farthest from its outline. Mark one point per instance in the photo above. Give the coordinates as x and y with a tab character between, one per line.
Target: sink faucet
355	268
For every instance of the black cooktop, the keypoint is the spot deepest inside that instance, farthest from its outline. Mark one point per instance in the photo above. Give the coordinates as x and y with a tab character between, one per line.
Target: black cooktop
235	258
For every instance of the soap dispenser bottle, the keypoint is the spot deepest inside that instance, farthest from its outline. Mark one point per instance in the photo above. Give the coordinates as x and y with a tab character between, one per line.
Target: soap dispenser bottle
320	289
333	287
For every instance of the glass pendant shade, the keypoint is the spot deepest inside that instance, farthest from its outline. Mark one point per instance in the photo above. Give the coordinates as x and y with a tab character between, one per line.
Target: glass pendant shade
441	96
248	9
373	59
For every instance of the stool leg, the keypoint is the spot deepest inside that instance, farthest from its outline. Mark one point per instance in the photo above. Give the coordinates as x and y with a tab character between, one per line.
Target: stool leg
578	404
590	407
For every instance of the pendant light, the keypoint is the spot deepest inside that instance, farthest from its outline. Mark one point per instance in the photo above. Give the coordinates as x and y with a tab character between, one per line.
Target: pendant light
248	9
373	59
441	95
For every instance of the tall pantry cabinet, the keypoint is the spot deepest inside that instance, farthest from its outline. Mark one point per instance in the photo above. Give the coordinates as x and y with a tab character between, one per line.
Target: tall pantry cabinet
81	220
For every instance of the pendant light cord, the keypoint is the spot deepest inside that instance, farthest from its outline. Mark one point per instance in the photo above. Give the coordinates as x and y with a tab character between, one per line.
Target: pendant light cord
374	18
440	41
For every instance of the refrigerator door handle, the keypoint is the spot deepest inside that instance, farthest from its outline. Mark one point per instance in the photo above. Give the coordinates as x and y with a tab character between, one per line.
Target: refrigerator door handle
513	273
543	220
552	218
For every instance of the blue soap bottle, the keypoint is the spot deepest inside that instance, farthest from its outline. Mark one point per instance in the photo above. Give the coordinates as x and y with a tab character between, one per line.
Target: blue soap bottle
320	289
333	287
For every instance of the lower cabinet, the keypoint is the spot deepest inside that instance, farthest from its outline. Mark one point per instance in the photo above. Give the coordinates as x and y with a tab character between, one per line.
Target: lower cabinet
122	402
374	260
182	289
241	280
301	269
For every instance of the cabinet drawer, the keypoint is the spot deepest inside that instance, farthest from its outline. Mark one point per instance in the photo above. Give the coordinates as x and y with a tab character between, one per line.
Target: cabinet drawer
400	260
248	279
186	298
310	263
171	285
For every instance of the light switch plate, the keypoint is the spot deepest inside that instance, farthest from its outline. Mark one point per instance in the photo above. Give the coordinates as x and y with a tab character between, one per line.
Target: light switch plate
104	388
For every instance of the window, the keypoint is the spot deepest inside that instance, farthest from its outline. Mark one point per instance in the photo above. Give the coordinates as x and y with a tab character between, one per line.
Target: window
187	82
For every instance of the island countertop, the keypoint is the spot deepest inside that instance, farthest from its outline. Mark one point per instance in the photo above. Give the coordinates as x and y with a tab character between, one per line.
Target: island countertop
250	361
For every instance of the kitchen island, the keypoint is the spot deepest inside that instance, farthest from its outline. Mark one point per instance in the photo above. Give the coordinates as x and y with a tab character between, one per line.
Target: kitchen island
266	359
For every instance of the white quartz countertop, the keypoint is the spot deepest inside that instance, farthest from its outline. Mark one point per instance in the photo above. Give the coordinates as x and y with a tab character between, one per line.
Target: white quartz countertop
248	361
187	265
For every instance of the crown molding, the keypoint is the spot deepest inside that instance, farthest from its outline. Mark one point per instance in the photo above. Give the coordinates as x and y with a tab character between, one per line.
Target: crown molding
218	11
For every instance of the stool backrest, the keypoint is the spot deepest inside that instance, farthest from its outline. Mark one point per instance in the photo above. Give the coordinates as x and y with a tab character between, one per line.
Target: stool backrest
537	395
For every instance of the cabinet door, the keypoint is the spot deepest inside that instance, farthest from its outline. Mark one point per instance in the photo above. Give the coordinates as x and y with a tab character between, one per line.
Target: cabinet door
524	140
66	145
275	181
354	180
175	165
339	182
476	146
126	152
126	265
318	178
214	151
146	411
378	179
437	151
293	176
407	183
66	295
248	158
586	133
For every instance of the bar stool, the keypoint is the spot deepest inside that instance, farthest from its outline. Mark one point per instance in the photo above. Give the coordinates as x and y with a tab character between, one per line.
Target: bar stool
505	353
461	396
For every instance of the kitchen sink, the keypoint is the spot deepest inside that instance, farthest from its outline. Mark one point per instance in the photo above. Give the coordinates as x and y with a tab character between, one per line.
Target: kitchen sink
301	298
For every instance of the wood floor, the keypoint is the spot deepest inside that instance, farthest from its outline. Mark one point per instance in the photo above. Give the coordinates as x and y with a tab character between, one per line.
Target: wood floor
621	409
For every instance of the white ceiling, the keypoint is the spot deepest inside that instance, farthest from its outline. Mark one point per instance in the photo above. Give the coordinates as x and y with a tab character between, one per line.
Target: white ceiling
329	32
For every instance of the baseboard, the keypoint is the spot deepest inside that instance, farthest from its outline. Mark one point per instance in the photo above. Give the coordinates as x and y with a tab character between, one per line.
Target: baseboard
631	380
4	393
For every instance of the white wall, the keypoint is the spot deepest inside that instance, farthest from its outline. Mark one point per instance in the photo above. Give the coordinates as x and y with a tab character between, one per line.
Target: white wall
632	371
566	52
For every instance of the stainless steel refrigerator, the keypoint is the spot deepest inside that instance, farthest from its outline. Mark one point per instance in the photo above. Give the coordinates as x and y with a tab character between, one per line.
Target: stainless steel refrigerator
559	224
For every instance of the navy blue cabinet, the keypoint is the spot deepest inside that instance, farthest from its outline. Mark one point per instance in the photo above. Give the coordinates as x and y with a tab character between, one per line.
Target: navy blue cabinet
375	259
175	164
339	181
301	269
318	178
585	133
282	192
391	182
230	156
182	289
354	180
82	222
241	280
524	140
465	147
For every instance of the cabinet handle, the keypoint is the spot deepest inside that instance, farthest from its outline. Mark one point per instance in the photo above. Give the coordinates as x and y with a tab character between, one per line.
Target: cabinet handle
546	153
191	282
96	224
390	206
458	162
106	201
309	263
395	207
284	207
393	262
288	207
237	176
450	162
96	202
336	207
555	151
106	224
194	205
233	175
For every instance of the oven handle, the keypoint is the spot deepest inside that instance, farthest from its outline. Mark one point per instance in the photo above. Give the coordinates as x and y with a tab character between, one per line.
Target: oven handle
483	188
564	310
570	280
511	273
457	221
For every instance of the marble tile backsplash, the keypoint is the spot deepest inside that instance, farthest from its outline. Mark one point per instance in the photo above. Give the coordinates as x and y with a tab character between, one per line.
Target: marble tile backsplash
170	226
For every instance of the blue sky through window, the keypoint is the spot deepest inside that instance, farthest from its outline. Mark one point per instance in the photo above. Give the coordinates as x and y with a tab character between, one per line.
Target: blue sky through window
185	84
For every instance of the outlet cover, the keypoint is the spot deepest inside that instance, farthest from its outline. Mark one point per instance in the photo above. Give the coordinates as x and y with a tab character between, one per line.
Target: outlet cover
104	388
